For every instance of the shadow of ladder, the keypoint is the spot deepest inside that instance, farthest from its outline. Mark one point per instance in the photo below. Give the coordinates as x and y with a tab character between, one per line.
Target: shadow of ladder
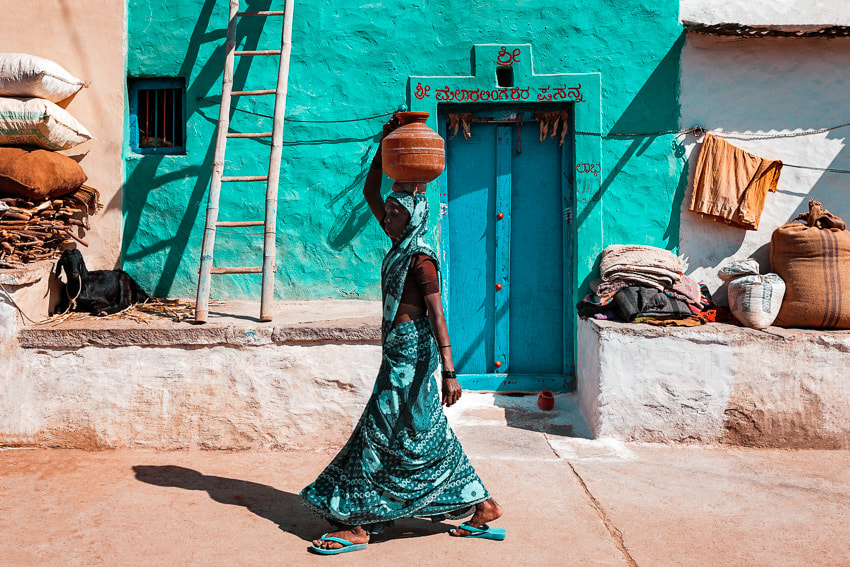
269	223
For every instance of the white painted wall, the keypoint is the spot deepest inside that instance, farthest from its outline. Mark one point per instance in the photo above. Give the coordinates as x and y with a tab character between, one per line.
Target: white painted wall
215	397
756	12
715	383
758	87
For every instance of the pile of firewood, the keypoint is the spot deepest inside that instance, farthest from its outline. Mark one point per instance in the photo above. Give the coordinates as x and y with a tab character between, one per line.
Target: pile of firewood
32	231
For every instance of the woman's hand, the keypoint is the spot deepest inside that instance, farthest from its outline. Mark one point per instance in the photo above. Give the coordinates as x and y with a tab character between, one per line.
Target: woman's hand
451	391
390	125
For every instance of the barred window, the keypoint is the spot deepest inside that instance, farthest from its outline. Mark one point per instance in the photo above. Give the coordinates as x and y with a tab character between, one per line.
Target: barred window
157	116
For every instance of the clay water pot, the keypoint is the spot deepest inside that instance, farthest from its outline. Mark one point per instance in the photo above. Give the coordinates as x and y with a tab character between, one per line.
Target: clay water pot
546	400
413	152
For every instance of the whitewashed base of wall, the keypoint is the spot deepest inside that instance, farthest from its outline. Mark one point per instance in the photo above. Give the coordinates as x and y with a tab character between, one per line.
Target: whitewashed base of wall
214	397
715	384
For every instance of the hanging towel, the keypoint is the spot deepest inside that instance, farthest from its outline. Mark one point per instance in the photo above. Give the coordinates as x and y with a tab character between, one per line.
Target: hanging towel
731	184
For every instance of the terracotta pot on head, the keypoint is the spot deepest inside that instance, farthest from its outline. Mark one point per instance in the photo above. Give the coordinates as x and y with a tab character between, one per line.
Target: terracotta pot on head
413	152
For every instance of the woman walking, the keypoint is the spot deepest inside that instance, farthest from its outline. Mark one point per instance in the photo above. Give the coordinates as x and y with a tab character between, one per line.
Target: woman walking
403	459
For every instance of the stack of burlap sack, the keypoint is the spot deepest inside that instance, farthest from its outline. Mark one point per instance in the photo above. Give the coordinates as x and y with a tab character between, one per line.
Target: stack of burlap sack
33	126
33	175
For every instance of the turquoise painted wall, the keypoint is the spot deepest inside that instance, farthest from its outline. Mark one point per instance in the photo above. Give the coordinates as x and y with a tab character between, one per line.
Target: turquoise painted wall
353	60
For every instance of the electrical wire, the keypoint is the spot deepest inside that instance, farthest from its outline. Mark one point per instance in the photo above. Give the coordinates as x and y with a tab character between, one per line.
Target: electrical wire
287	119
696	131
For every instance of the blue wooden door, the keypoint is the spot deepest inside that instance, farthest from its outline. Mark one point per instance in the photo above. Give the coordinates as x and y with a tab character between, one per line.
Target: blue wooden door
507	249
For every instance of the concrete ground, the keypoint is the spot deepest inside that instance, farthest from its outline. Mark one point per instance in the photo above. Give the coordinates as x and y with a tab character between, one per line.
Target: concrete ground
569	500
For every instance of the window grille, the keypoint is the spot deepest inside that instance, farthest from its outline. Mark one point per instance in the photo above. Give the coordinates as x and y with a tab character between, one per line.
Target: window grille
157	116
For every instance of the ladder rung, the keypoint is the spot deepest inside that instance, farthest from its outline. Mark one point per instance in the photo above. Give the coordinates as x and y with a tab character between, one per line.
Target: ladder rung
249	134
237	178
261	52
238	270
251	93
241	223
265	13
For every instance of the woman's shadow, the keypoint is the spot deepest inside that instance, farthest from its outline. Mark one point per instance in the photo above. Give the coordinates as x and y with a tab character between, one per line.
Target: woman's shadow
282	508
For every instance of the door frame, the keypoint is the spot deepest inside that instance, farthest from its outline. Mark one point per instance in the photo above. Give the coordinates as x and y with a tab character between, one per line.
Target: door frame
504	119
520	86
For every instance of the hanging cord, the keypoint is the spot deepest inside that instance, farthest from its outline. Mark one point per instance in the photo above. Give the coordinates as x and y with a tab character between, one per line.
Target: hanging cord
699	131
73	303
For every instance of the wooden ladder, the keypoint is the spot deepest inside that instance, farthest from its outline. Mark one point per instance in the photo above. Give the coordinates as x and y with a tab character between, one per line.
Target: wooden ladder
268	268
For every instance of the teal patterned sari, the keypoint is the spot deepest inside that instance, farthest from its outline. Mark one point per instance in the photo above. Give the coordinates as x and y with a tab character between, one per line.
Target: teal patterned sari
403	459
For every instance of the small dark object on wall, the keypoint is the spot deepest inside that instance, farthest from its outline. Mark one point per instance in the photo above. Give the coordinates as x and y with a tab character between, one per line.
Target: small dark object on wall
99	292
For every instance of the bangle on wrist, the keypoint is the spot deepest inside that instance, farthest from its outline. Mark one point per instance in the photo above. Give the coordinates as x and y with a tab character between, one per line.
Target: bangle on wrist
449	375
445	346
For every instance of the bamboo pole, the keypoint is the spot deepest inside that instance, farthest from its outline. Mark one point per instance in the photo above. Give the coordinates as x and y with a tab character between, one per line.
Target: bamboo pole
269	249
204	279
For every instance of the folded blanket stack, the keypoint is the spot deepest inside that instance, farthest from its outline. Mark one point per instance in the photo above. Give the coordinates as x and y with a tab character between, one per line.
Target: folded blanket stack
632	271
643	265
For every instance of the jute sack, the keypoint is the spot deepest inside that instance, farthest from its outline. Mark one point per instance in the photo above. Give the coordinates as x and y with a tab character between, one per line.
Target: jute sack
40	123
815	264
28	75
36	174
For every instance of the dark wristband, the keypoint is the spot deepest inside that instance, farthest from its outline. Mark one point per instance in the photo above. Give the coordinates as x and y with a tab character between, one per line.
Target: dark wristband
449	375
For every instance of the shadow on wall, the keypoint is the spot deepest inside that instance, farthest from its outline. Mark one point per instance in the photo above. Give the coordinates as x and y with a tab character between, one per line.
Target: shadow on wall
182	223
144	179
653	109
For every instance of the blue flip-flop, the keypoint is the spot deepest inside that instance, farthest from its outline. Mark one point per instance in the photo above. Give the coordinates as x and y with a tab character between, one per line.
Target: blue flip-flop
485	532
346	546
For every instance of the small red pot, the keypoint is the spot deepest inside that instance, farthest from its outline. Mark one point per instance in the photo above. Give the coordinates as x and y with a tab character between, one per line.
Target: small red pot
546	400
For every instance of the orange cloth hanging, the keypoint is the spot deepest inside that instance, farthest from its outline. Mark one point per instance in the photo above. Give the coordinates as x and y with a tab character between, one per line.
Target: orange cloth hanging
731	185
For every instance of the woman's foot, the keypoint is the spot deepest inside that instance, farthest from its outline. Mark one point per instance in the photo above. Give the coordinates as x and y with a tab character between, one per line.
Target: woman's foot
485	512
355	535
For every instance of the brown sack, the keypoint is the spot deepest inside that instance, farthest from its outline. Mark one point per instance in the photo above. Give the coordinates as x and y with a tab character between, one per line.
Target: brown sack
36	174
815	264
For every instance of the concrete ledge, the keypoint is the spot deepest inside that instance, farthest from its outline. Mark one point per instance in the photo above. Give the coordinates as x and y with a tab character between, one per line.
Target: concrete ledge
234	323
114	334
715	383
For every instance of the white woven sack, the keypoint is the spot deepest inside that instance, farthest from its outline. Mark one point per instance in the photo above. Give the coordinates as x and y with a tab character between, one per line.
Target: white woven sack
38	122
755	300
29	75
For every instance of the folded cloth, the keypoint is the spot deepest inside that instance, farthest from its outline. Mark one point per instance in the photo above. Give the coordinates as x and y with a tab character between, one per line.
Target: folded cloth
605	291
730	184
689	289
618	257
634	302
692	321
644	279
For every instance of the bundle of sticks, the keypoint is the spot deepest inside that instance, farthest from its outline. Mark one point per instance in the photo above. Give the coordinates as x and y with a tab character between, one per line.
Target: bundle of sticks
38	230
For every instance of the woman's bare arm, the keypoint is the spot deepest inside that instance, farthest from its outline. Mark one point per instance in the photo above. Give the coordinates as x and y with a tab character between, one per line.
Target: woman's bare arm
451	387
372	186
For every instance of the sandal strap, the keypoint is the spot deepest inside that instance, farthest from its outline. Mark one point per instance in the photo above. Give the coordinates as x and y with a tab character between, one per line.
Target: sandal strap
344	542
470	528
